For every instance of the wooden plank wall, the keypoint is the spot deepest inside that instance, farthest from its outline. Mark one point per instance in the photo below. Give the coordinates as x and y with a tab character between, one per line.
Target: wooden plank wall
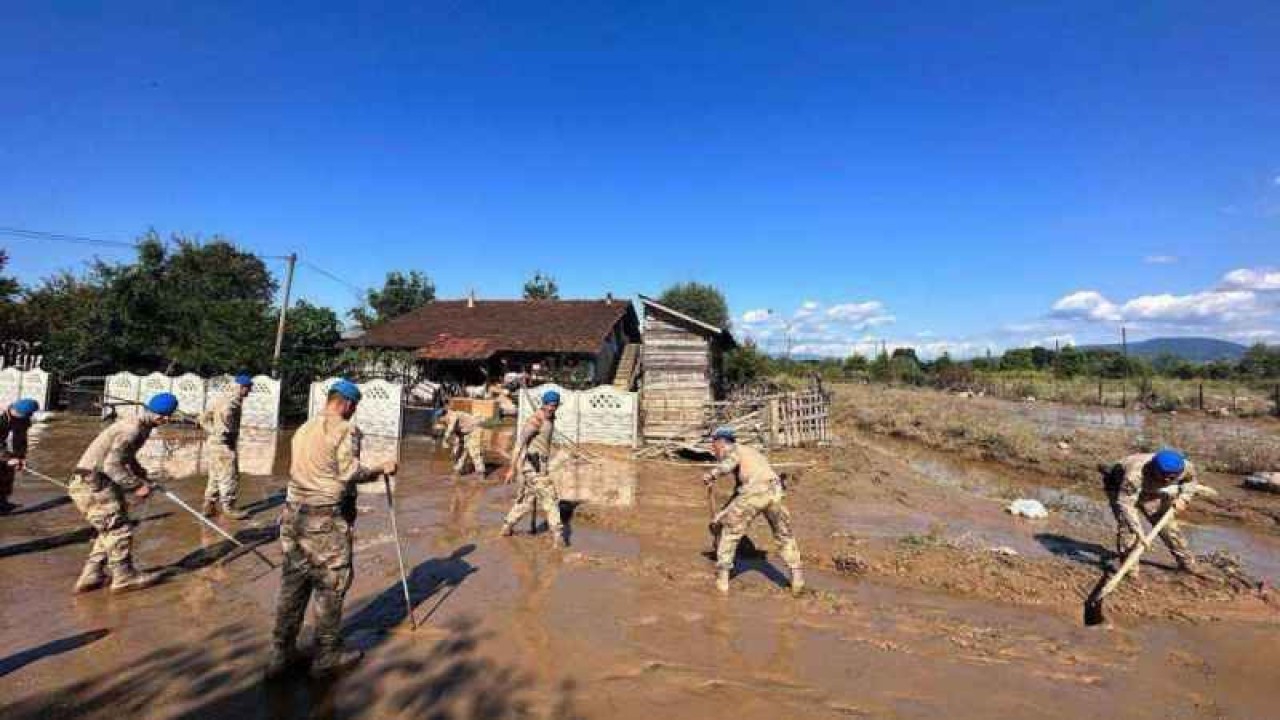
677	379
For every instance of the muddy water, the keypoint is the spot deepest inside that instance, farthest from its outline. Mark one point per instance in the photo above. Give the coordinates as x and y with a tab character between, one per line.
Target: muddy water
623	625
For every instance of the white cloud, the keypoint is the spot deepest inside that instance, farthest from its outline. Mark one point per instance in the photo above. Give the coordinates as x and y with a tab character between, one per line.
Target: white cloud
862	314
1276	181
755	317
1252	279
1160	259
1086	305
1212	306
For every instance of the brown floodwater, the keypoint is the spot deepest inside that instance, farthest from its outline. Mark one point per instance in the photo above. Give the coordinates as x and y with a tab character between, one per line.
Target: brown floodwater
622	625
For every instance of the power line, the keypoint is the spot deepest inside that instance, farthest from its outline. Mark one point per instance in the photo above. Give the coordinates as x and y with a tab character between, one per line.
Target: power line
358	291
25	234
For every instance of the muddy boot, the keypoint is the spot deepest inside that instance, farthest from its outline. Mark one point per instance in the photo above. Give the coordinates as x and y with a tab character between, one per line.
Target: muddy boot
334	663
209	509
797	581
281	662
231	512
507	530
722	581
1189	566
92	577
7	507
125	577
557	540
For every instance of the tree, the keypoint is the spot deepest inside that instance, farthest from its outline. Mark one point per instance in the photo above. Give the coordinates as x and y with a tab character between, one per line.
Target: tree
541	287
9	289
702	302
1260	361
855	364
400	294
745	363
1070	363
1017	359
309	350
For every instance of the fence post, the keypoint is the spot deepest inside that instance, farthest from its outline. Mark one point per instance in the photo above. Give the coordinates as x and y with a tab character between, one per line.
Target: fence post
1234	409
1099	391
1201	396
1275	397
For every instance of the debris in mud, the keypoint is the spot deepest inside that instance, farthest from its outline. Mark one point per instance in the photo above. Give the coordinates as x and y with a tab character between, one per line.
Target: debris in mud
850	563
1264	481
1005	551
1032	509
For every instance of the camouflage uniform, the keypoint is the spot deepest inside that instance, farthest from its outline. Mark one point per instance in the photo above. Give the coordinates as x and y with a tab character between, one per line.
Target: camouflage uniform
1133	483
108	468
464	431
315	532
222	424
758	491
536	486
13	446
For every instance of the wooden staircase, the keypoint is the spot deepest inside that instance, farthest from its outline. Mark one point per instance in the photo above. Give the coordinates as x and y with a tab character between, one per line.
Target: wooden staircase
628	365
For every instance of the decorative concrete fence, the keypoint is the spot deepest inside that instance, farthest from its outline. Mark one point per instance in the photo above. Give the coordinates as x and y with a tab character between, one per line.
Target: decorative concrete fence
15	383
125	390
602	415
381	409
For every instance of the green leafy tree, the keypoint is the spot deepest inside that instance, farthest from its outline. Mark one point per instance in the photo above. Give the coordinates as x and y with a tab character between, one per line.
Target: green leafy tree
541	287
63	313
400	294
309	351
9	288
699	301
856	364
745	364
1017	359
1260	361
1070	363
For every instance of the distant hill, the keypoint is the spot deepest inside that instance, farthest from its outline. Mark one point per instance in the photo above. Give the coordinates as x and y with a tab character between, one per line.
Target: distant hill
1191	349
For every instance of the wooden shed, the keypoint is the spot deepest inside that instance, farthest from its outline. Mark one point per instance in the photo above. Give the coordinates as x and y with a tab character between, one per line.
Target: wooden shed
682	368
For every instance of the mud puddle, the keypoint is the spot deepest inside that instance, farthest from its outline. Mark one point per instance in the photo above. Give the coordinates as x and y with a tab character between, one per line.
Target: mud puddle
623	625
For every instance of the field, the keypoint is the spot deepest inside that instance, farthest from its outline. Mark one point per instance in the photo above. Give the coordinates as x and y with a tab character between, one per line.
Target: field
927	600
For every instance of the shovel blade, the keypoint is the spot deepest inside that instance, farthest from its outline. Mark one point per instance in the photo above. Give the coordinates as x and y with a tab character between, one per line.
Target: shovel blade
1093	614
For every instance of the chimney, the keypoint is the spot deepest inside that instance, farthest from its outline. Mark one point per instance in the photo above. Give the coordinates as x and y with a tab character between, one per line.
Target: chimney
608	298
471	299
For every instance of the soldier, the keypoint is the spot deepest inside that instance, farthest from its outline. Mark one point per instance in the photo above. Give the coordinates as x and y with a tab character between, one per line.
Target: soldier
758	490
222	424
533	460
315	532
1132	484
14	423
466	439
107	469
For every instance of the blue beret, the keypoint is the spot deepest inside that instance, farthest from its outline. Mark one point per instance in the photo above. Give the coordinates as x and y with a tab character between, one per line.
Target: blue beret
164	404
551	397
1170	462
346	389
26	407
244	380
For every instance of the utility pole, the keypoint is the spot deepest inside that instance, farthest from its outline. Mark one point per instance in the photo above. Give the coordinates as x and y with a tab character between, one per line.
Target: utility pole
284	310
1124	388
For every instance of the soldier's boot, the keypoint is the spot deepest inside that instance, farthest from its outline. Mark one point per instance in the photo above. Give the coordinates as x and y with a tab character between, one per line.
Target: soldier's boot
507	530
1189	565
92	577
125	578
7	507
797	581
282	660
232	512
557	539
209	509
332	663
722	581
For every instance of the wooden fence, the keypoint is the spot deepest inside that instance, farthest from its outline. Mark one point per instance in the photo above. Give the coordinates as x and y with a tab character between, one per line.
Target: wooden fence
799	419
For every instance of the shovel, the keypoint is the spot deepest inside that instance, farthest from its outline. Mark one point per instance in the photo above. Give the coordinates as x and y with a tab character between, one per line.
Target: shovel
1093	614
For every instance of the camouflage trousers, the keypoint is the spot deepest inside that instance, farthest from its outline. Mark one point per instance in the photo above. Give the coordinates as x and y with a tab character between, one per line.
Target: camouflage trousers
736	518
317	565
224	474
103	505
1130	504
537	490
471	448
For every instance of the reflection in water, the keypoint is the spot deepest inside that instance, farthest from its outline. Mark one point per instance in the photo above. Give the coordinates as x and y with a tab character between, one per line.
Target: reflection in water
181	453
601	482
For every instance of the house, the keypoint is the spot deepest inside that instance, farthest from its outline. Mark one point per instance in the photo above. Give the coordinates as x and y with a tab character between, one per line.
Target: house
473	341
683	368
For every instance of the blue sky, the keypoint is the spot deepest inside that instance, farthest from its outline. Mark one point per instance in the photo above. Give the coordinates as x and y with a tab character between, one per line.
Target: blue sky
949	175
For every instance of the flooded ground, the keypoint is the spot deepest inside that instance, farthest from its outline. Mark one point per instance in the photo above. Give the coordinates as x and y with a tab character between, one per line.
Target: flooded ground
927	601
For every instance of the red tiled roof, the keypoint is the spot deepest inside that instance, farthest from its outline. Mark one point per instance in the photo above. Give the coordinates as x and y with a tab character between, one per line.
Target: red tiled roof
451	330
